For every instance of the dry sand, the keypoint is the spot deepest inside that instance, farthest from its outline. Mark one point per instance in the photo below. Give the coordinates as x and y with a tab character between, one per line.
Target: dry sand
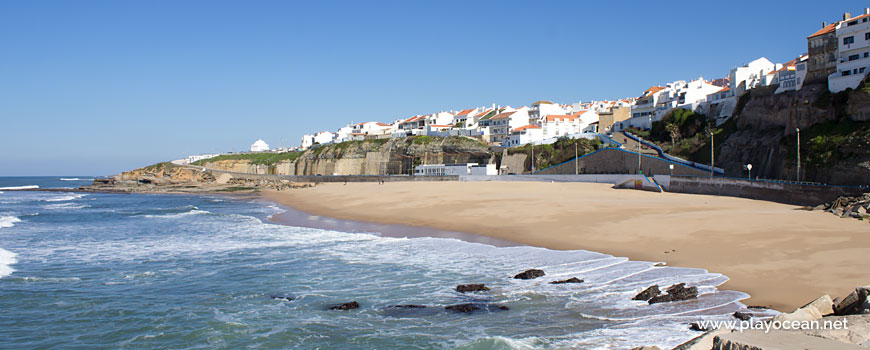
782	256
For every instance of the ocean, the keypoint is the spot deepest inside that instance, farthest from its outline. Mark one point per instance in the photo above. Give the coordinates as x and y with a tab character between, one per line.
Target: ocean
129	271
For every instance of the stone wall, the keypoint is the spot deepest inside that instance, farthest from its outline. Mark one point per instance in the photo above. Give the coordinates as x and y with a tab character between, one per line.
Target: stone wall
775	191
619	161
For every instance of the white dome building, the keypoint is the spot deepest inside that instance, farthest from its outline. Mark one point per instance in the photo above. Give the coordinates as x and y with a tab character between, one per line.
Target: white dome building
260	146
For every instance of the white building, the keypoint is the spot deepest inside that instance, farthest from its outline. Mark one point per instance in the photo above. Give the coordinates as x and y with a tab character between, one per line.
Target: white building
792	75
524	135
541	109
324	137
259	146
455	169
307	141
556	125
496	129
750	75
853	41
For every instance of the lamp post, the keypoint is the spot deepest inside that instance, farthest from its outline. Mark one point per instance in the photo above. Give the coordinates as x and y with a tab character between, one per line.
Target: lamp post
639	171
532	168
798	175
749	171
671	166
576	165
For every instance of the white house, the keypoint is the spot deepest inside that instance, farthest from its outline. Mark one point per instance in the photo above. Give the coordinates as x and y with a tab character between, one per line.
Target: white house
307	141
792	75
343	134
556	125
440	118
853	41
524	135
259	146
541	109
749	76
324	137
645	105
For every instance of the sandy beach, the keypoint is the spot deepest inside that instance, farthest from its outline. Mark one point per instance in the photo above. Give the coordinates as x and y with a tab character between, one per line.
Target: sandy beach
782	256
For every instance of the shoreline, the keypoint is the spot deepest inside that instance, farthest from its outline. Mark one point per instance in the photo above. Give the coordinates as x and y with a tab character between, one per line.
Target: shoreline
781	264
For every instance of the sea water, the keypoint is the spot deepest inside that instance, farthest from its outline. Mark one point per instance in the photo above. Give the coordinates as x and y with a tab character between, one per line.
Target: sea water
107	271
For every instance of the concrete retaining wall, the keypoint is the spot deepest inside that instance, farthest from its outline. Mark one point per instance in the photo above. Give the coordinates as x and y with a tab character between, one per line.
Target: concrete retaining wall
596	178
619	161
775	191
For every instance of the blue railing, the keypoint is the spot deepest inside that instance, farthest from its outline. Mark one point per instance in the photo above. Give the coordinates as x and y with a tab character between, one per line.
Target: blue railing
670	157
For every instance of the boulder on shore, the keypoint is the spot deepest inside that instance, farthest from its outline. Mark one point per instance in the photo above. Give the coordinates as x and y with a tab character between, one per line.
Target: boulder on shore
676	292
346	306
853	303
648	293
570	280
809	312
529	274
464	288
743	316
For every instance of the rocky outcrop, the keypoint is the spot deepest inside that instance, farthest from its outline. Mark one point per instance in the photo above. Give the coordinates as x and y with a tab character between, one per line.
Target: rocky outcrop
465	288
857	207
743	316
810	312
855	303
774	339
346	306
468	308
570	280
676	292
648	293
529	274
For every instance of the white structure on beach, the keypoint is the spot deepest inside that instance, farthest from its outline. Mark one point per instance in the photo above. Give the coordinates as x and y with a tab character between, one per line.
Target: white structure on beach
259	146
455	169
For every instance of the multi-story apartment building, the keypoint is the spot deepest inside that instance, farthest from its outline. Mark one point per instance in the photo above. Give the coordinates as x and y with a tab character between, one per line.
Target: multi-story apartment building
853	39
823	53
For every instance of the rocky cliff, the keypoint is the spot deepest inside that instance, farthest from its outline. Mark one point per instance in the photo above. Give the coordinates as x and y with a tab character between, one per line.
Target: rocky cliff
834	128
369	157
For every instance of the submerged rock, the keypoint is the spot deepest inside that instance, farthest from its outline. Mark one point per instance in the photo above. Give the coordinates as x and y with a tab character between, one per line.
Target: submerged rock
570	280
695	326
409	306
282	297
648	293
464	288
676	292
469	307
346	306
529	274
462	308
743	316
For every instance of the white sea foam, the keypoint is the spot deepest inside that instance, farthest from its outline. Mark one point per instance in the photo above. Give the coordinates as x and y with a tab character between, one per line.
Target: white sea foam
179	215
6	258
8	221
65	198
29	187
65	206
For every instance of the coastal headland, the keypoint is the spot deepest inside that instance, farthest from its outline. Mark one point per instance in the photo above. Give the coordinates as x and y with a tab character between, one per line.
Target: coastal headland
782	256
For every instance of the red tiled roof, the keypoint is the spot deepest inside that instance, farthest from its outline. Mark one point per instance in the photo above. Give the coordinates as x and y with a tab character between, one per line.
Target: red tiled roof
553	117
413	119
483	113
524	127
382	124
439	126
502	115
653	90
827	29
465	112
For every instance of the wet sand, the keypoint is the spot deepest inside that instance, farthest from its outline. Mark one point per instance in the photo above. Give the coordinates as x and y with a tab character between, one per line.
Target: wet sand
782	256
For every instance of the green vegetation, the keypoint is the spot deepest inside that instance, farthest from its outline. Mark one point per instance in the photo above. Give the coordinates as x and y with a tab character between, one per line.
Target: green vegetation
828	143
421	140
559	152
264	158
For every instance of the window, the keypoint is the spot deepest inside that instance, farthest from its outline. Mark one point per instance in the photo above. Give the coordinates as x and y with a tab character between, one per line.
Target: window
846	72
848	40
854	57
866	54
861	70
867	35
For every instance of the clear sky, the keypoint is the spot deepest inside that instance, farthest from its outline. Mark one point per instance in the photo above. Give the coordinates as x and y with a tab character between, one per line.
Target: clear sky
97	87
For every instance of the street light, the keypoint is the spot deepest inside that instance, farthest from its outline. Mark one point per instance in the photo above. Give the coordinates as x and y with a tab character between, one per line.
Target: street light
798	176
672	168
749	171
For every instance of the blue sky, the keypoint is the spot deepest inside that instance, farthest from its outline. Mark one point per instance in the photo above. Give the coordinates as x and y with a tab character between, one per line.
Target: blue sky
98	87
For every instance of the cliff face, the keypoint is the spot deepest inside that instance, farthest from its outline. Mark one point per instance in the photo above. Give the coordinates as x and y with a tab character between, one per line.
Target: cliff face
164	174
833	145
370	157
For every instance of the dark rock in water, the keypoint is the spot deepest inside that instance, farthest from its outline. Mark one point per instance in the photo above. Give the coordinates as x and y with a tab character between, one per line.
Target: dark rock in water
758	307
742	316
648	293
282	297
409	306
409	310
346	306
676	292
463	288
462	308
529	274
469	307
570	280
695	326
